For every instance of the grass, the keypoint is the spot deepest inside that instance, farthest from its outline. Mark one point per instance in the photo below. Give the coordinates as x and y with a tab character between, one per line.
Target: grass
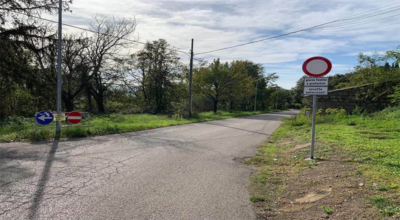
327	210
257	199
370	141
21	129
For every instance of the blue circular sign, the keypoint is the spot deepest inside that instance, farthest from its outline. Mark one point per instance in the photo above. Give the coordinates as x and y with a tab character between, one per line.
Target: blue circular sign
44	117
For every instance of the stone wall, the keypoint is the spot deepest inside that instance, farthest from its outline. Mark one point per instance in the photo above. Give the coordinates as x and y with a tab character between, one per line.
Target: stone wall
346	99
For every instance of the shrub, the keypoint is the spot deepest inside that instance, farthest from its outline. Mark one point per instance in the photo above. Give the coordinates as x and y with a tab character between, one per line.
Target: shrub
331	111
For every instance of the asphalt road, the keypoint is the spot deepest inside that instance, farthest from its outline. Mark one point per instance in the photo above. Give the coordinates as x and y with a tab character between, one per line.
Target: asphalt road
180	172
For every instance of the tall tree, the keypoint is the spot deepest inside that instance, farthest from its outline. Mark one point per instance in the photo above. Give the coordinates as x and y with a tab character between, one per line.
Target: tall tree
108	41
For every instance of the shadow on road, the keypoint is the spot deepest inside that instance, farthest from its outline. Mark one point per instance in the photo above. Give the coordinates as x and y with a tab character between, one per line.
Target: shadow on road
41	186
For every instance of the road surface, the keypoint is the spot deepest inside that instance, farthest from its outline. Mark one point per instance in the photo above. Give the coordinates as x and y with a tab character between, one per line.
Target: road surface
180	172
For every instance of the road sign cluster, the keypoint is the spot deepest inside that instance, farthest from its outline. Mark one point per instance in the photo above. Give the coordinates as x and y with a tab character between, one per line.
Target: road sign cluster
316	67
47	117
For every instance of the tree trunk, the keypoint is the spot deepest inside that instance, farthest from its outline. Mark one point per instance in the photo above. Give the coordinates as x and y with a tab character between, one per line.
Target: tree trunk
89	99
100	102
69	105
215	106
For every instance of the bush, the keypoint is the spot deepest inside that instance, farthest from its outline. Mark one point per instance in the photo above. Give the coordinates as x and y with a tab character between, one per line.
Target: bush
16	120
331	111
358	111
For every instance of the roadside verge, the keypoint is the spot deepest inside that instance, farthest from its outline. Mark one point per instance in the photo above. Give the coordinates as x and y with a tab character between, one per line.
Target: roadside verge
356	175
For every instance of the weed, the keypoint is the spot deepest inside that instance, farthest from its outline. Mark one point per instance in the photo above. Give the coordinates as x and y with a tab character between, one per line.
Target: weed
76	132
390	211
382	188
359	172
312	163
327	210
352	123
379	201
257	199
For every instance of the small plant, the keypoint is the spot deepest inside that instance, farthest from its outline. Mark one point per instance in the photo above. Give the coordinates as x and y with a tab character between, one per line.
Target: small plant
75	132
358	111
379	201
320	111
257	199
327	210
383	188
390	211
331	111
359	172
352	123
312	163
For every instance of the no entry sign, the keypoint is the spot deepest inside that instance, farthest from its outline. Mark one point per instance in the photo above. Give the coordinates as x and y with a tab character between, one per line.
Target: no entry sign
317	66
74	117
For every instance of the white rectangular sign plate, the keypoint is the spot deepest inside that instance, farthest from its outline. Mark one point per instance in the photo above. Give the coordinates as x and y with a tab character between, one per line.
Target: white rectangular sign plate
316	90
316	82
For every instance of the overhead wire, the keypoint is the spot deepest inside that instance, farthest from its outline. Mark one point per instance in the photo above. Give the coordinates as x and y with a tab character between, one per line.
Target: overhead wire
316	27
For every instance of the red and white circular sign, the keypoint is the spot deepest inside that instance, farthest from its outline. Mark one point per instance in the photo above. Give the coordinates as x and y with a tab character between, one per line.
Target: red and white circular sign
74	117
317	66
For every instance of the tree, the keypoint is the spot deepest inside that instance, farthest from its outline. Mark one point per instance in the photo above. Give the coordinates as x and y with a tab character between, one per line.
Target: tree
76	68
220	81
107	42
28	7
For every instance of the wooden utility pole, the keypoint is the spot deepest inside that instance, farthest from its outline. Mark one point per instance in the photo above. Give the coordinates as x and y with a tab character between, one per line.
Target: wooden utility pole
191	82
255	98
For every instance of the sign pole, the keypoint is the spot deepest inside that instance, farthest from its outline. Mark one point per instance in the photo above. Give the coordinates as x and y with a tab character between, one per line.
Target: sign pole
59	80
316	67
191	82
313	125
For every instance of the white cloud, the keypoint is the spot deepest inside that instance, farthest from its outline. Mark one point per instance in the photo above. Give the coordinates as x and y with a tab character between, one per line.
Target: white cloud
217	24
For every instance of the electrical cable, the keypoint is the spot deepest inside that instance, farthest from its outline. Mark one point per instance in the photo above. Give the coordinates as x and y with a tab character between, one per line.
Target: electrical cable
298	31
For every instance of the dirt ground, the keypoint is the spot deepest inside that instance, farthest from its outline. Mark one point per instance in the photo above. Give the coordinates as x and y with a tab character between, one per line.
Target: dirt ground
328	188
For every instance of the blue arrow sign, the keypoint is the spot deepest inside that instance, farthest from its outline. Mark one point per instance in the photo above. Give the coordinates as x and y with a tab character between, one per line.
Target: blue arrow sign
44	117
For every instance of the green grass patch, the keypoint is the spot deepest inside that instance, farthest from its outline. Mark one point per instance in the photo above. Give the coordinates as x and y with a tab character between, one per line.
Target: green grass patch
22	129
257	199
369	141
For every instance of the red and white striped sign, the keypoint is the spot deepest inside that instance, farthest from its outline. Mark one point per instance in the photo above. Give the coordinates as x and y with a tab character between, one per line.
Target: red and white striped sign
74	117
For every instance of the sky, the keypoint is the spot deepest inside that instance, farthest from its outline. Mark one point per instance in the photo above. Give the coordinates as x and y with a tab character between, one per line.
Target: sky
370	26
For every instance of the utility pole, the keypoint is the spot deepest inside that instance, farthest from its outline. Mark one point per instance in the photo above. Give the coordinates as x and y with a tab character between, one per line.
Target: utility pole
255	99
191	82
277	88
59	80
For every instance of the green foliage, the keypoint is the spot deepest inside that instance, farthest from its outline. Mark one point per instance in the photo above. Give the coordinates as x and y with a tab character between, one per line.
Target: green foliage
76	132
257	199
327	210
358	111
390	211
379	201
395	96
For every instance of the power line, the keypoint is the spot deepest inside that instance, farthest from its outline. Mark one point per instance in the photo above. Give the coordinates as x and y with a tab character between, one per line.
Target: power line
301	30
88	30
329	30
269	38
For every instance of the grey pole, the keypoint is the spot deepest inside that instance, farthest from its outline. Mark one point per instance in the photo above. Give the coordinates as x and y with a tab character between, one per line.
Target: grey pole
255	99
313	125
59	80
191	82
277	88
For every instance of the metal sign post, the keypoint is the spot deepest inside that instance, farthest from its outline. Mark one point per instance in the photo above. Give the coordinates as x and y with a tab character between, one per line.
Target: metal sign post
59	79
316	67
